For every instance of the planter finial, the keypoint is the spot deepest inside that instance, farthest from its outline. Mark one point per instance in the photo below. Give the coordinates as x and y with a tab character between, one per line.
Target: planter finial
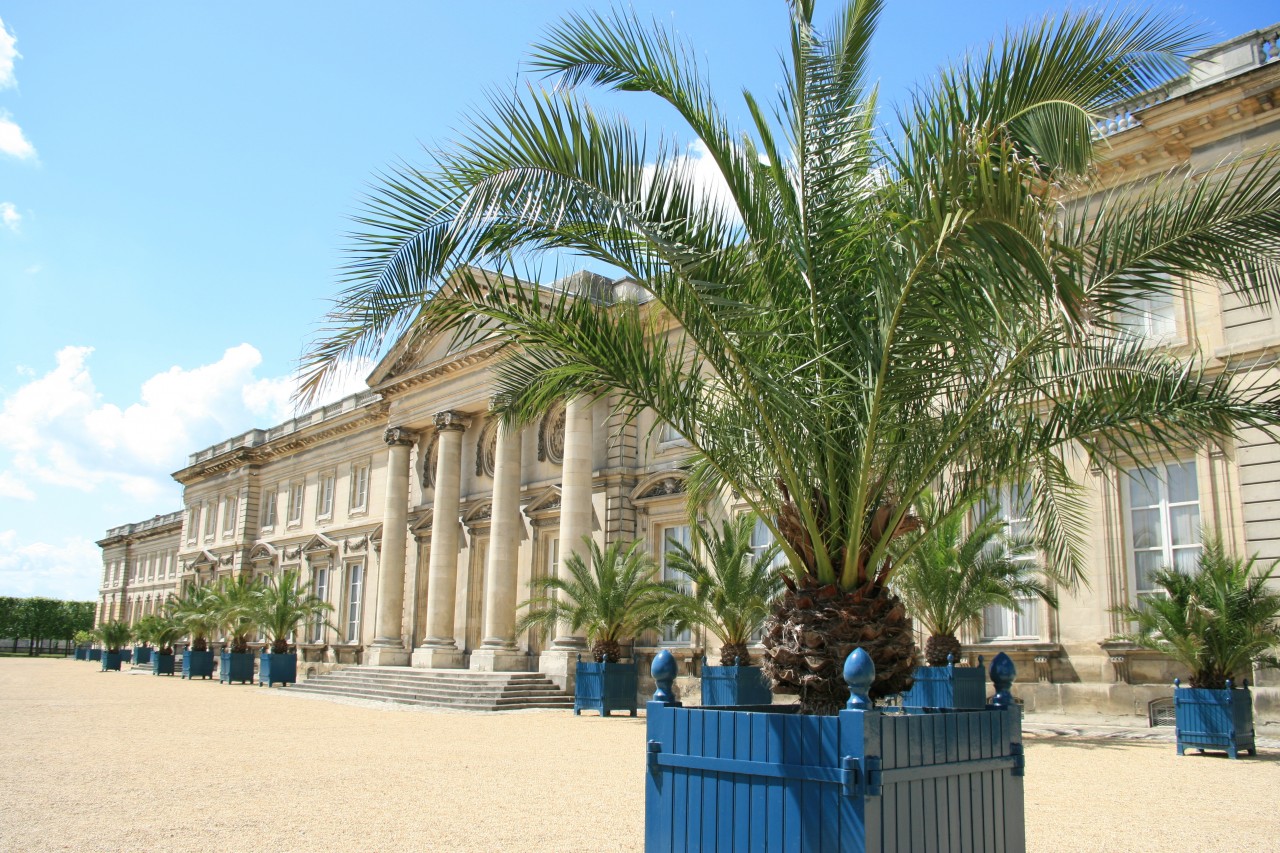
1002	674
859	672
663	670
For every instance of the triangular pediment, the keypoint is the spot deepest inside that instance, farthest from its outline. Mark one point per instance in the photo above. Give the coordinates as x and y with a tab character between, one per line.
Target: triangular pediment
201	560
319	544
548	500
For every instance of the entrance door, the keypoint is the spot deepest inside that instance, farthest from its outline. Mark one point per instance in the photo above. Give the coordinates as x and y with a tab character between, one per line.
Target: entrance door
475	594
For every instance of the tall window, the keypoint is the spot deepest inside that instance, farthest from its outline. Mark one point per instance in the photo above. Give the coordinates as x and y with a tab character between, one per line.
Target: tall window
193	523
210	519
359	487
1164	516
229	506
670	537
269	508
324	506
296	494
761	539
355	582
1013	507
666	433
1150	318
321	579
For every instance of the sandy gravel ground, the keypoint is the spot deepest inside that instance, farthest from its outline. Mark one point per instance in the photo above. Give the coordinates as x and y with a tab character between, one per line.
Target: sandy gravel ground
104	761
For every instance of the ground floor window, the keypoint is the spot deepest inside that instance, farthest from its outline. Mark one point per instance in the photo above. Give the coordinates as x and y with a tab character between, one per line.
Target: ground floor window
1164	521
670	537
355	584
321	581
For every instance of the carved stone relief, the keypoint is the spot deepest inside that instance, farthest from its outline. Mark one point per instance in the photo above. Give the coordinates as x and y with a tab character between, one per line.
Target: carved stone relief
551	436
487	448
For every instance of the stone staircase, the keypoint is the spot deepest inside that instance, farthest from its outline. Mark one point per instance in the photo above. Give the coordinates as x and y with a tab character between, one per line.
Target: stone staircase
440	688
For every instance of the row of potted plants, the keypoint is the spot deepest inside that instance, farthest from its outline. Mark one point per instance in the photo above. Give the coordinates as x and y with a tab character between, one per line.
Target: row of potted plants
276	607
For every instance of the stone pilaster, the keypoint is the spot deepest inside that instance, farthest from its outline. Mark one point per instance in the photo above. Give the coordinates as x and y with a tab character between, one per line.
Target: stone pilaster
388	648
575	523
499	652
439	650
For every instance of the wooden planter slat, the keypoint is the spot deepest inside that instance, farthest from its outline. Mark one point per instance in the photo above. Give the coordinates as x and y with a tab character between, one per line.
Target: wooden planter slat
951	687
605	687
734	685
1214	719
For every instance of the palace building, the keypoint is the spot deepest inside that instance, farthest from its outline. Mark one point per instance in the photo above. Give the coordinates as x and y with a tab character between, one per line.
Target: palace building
423	521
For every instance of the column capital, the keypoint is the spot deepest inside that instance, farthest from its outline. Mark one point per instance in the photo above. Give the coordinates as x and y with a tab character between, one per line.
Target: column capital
451	420
399	436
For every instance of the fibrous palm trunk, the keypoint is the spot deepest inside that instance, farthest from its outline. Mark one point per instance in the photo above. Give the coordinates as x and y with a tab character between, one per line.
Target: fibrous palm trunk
816	626
734	654
606	651
939	647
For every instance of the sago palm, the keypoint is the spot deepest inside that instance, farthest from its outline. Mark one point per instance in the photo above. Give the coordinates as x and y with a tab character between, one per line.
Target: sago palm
614	598
195	611
1218	621
856	311
952	575
733	587
282	605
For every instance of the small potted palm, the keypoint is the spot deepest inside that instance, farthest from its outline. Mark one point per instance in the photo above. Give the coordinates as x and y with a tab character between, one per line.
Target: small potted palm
143	631
1218	621
82	639
947	579
164	633
733	590
282	607
113	636
234	600
613	599
195	614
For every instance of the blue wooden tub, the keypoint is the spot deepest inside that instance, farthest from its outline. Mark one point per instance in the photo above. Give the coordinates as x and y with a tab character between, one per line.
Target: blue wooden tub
948	687
82	653
1214	719
95	654
111	661
734	685
236	666
141	655
161	664
197	664
605	687
282	668
865	780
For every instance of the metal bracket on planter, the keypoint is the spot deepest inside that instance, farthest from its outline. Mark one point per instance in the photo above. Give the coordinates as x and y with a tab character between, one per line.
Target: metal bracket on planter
860	776
1019	759
651	759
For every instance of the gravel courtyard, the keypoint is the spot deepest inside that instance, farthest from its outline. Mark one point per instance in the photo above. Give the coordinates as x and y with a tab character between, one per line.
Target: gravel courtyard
120	761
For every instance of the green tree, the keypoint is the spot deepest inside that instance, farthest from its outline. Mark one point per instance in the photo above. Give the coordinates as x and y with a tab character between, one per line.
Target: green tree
1217	621
860	311
234	603
612	598
283	605
161	631
733	587
11	618
43	619
952	575
114	635
195	611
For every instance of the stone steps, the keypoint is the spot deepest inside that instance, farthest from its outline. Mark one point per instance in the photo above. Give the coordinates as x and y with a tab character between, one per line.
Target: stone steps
458	689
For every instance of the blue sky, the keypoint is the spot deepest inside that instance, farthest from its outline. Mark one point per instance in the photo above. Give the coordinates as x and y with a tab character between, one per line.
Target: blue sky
176	180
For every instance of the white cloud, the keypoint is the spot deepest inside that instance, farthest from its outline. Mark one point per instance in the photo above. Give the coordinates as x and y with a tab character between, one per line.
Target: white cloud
69	570
60	433
705	175
8	53
273	398
12	140
9	216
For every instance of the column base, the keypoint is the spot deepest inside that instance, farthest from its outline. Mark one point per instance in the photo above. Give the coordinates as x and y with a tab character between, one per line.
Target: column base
386	655
499	660
560	665
438	657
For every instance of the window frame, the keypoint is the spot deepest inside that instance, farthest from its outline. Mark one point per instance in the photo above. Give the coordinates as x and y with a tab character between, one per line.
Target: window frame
1164	507
358	499
326	488
296	508
354	600
668	636
270	510
1028	607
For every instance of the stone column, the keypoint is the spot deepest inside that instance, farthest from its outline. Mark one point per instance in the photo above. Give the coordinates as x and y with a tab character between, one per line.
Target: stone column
575	523
499	652
388	648
439	649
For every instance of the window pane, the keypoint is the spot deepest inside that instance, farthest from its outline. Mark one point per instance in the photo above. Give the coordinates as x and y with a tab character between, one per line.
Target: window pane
1144	487
1184	523
1146	529
671	536
1185	559
1027	618
993	621
1182	483
1146	563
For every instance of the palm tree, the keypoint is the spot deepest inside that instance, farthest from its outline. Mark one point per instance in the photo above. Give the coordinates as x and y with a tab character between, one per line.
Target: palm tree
951	577
612	599
733	588
114	635
145	627
1217	621
856	311
161	632
234	604
194	611
282	605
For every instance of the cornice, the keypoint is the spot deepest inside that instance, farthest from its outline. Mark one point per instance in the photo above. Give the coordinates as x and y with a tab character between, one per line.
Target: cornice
403	383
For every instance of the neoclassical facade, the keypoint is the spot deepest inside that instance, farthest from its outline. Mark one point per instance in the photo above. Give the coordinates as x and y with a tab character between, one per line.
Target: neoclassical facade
423	521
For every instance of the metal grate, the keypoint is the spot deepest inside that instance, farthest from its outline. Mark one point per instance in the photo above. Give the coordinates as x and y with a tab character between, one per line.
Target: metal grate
1160	712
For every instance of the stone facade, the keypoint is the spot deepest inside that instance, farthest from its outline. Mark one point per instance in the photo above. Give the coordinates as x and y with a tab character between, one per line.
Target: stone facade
423	522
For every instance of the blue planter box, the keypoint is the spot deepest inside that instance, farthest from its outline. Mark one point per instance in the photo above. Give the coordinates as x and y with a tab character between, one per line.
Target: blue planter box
735	685
95	654
605	687
1214	719
161	664
274	669
111	661
236	667
82	654
197	664
947	687
141	655
776	780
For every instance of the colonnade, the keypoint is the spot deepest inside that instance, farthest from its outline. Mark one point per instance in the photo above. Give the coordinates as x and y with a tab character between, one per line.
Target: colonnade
498	649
